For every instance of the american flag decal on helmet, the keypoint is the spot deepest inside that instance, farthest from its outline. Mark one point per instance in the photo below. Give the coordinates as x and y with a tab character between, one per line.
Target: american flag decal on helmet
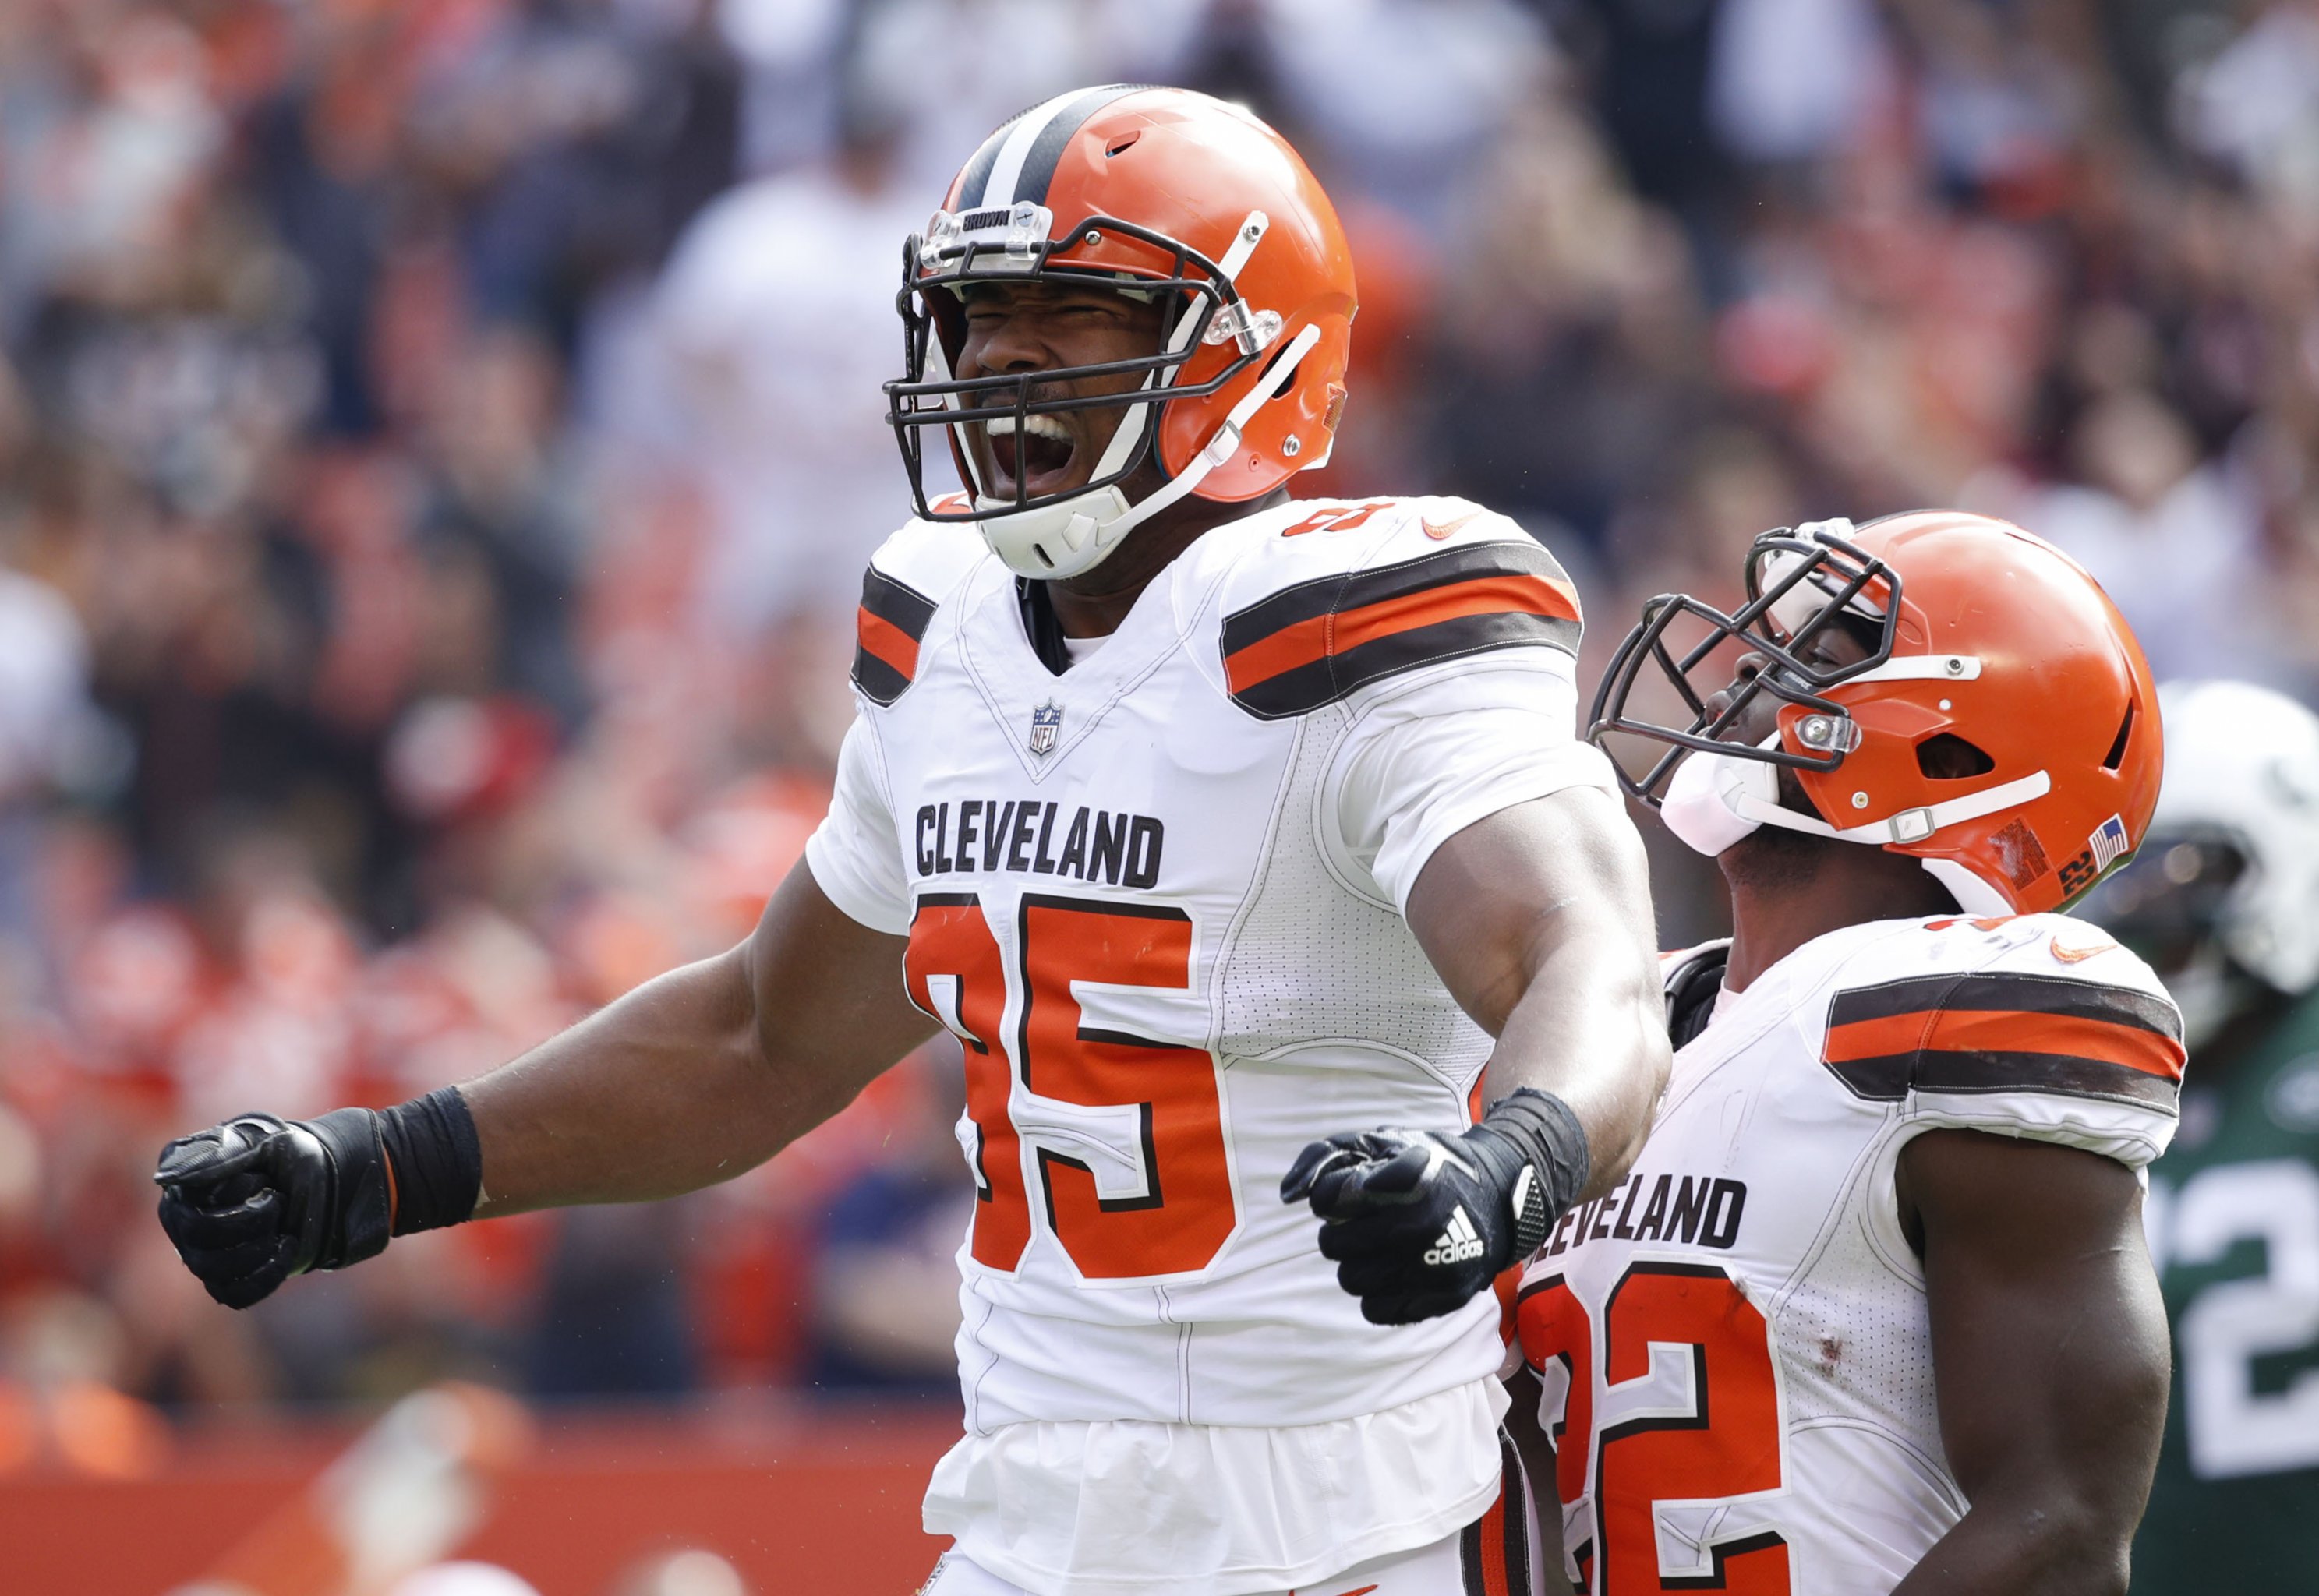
2107	843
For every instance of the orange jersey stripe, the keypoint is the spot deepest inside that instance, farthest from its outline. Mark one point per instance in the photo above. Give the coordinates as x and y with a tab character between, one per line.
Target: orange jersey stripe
1337	632
1496	1579
887	641
2006	1031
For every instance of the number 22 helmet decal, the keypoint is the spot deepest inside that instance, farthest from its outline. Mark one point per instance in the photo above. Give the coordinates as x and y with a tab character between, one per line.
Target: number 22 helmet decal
2003	727
1163	194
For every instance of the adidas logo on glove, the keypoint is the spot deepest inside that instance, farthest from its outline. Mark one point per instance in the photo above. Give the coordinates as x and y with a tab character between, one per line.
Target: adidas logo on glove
1459	1243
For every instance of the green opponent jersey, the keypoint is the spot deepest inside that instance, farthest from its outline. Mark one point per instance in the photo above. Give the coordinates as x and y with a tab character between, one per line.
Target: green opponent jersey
2233	1225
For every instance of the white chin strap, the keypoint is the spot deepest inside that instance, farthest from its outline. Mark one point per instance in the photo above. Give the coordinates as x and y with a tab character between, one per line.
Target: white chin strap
1059	540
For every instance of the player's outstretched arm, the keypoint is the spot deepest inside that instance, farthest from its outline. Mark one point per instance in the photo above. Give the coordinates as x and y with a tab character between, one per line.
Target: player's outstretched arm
1539	921
688	1080
2049	1359
703	1073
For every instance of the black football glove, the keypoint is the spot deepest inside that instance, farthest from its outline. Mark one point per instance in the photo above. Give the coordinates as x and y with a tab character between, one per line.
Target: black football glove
1418	1223
258	1199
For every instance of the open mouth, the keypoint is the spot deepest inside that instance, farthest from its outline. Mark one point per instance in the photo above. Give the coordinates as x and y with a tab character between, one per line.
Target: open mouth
1035	458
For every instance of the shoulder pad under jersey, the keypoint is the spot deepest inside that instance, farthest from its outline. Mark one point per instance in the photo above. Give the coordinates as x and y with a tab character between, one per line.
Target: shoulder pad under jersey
1348	592
907	578
1693	978
1982	1014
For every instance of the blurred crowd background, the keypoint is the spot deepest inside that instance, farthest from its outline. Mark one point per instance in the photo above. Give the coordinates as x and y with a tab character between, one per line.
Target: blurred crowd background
440	440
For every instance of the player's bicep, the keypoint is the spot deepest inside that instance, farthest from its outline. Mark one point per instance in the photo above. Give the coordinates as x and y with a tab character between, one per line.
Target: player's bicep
825	963
2049	1337
827	990
1561	877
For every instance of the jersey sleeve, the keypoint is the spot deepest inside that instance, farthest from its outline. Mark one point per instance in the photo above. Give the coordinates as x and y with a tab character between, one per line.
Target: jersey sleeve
2063	1036
907	578
1366	593
1421	764
855	854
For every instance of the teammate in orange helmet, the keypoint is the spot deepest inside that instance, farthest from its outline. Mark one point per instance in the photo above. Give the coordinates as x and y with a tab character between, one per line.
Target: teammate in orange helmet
1871	1312
1210	823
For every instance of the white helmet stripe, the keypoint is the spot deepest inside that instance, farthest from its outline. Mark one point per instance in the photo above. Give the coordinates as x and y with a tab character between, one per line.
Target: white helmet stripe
1007	169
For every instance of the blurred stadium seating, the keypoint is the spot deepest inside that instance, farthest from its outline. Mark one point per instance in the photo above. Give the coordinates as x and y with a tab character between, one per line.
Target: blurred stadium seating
439	439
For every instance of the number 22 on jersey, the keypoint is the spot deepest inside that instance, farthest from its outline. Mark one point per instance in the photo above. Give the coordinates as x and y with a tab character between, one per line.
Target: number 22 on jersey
1160	1099
1689	1420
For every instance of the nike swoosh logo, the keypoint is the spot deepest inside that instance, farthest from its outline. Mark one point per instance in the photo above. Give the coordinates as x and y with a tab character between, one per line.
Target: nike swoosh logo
2069	955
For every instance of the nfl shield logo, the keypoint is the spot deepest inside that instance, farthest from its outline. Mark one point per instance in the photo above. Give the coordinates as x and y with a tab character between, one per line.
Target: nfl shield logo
1046	726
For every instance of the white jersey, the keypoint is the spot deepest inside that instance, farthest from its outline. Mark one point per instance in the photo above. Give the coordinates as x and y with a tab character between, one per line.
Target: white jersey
1733	1345
1158	898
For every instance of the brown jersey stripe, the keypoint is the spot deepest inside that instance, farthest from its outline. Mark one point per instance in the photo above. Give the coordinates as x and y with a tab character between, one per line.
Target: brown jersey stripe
1326	680
1888	1078
888	626
2009	1030
1311	645
878	681
1998	991
1340	632
1357	590
906	610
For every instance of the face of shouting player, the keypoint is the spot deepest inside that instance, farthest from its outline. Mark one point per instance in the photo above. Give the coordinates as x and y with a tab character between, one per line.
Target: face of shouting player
1016	327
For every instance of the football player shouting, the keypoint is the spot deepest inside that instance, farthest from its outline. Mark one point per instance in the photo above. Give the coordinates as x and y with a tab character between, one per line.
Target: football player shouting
2223	899
1872	1310
1209	823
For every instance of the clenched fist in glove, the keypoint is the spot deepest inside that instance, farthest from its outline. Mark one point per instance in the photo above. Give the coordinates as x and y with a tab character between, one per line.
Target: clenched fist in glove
1418	1221
257	1199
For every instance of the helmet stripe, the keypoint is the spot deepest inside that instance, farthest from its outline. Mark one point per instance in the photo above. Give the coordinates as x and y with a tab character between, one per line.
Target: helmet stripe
1047	151
1021	164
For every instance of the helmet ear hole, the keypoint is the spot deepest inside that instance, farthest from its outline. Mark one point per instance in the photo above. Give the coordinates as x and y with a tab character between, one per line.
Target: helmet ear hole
1950	758
2117	755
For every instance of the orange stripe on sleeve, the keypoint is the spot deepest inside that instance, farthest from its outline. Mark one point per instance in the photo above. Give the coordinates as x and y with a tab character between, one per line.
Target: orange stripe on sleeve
1879	1037
2073	1035
887	641
2006	1031
1335	634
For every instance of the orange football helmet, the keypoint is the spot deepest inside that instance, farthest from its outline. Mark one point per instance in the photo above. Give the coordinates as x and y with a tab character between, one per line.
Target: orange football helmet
2004	729
1157	191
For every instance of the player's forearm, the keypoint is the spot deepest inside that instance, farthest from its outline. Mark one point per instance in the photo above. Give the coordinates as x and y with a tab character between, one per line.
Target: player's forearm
669	1089
1591	1028
1538	918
